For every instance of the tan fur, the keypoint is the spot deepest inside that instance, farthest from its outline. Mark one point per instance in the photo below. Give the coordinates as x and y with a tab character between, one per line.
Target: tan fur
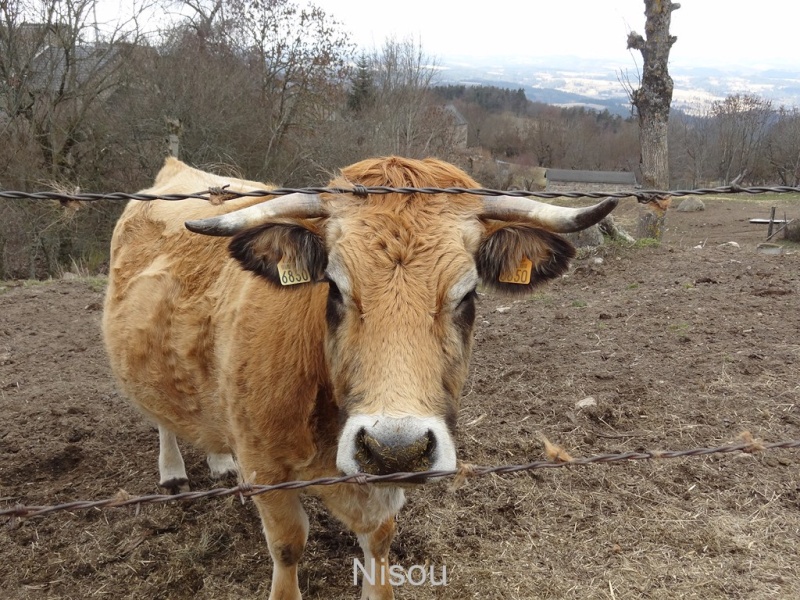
233	363
403	253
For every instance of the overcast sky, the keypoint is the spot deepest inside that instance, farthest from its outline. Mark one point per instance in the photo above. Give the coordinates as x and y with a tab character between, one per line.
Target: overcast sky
710	32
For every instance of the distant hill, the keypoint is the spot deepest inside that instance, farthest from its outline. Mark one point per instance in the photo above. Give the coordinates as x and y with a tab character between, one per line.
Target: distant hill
568	81
555	96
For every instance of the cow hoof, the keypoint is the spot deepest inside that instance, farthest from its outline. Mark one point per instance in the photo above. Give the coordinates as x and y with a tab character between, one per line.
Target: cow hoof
175	486
221	466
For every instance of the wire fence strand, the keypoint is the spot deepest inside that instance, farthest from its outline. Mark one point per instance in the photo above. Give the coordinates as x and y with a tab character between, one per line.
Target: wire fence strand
246	490
642	196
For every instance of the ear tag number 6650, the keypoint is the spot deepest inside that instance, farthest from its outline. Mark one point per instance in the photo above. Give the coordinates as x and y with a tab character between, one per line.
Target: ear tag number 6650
291	274
522	274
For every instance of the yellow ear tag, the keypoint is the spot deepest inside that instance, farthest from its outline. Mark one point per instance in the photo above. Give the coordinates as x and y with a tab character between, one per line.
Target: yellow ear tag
291	275
522	275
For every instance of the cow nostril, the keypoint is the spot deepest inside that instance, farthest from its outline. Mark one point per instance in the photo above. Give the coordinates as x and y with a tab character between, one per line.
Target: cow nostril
430	445
363	454
378	457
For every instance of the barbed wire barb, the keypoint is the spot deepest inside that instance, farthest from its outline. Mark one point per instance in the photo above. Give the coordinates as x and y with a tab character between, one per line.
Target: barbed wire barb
246	490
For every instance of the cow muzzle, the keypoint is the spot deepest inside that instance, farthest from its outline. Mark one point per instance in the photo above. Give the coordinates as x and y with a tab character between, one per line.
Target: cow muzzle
380	445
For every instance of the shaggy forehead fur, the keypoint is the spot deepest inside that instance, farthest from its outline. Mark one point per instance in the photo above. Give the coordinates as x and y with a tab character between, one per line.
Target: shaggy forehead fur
402	238
401	255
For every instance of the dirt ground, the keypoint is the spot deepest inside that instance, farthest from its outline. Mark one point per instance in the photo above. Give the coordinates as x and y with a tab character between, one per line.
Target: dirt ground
680	347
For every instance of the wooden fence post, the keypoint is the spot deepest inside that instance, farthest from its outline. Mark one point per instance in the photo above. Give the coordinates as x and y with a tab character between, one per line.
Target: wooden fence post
771	222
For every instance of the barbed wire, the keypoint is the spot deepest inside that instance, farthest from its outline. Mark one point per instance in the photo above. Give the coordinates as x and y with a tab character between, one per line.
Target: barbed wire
642	196
244	490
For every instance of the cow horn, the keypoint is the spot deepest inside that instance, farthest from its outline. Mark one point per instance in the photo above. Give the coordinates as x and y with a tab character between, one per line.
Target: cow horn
301	206
558	219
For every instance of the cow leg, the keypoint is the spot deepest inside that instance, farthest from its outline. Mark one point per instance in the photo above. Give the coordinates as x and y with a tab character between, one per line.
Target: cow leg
369	511
286	529
221	465
376	552
171	469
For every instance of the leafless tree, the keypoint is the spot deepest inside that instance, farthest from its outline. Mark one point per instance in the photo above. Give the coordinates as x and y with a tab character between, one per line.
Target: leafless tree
396	111
783	146
690	148
58	71
405	119
652	101
254	83
740	122
297	58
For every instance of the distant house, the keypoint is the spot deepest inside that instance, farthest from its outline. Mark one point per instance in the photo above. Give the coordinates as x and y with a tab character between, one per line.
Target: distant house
52	67
85	65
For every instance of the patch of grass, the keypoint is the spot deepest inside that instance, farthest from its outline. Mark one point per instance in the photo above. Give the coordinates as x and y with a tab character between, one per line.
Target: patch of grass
96	283
633	286
679	328
768	198
579	304
647	243
539	297
7	285
610	243
29	283
790	245
681	331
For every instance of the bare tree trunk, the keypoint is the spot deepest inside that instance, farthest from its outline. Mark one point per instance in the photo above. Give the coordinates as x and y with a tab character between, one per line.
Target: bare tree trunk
653	218
175	128
652	101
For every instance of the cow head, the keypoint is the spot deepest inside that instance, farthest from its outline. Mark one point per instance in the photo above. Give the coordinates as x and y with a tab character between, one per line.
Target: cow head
401	272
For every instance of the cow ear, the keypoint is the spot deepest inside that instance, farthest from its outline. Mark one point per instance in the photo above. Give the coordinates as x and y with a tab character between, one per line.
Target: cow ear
281	253
516	257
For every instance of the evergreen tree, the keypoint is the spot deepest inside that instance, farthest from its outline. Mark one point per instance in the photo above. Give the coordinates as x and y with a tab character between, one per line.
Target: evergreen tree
362	93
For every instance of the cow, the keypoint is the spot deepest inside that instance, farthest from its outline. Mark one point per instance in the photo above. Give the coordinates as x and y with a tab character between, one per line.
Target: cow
313	335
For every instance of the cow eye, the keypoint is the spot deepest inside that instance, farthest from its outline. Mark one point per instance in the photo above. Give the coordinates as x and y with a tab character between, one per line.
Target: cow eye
334	295
334	311
468	299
